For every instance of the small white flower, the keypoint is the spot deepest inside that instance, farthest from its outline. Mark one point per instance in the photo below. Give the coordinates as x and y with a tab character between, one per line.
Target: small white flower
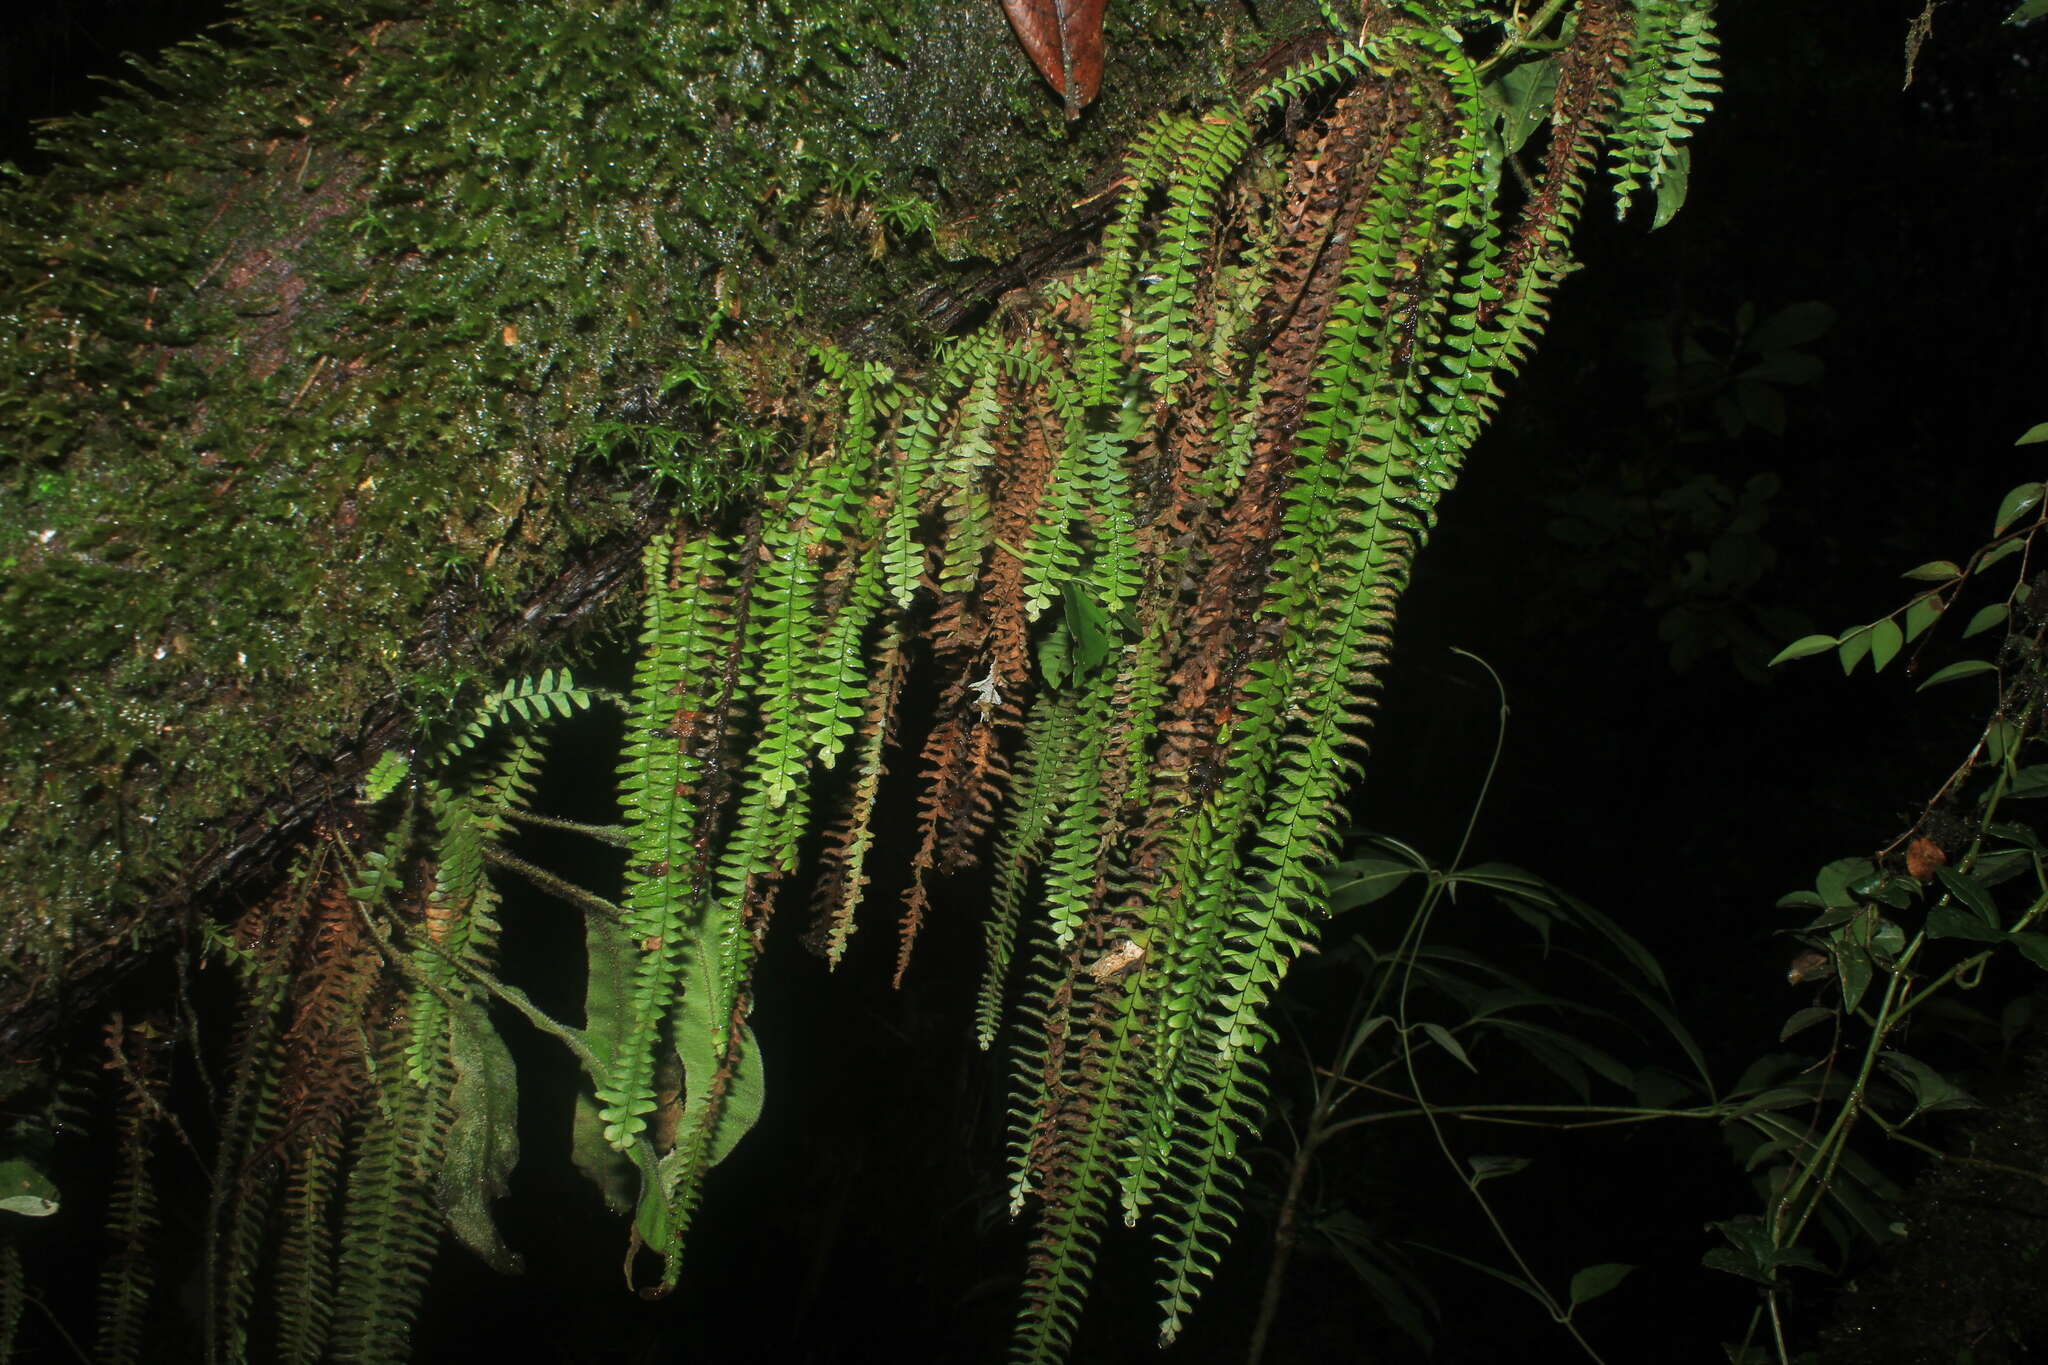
986	697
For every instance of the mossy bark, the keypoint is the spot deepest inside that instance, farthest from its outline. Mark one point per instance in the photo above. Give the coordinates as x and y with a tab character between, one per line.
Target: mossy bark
341	369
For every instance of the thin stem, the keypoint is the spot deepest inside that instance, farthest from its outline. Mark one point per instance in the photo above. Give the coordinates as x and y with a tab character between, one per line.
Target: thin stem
1494	1113
57	1326
1522	39
1418	929
1285	1233
547	881
1500	740
615	835
576	1040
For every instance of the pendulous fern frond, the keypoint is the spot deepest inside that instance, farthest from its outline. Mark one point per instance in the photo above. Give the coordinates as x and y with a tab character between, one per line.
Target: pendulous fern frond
1145	541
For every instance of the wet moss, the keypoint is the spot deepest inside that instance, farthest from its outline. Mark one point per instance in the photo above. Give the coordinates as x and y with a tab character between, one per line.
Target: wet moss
323	347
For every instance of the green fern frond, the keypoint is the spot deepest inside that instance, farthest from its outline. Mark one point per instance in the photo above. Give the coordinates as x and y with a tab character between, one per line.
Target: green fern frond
1208	1171
303	1290
1074	834
1163	312
127	1271
1221	457
390	1226
1052	555
844	876
963	476
1082	1156
238	1209
912	454
533	699
1041	772
1099	364
677	686
1668	90
1338	62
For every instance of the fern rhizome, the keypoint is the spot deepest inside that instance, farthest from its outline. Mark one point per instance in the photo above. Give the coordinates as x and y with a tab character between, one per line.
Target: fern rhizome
1146	530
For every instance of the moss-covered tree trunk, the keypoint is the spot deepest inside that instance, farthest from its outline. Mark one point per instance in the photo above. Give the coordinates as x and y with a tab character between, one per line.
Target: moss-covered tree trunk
342	368
350	374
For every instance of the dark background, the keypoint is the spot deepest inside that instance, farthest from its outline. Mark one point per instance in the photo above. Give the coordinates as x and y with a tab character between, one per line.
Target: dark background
864	1220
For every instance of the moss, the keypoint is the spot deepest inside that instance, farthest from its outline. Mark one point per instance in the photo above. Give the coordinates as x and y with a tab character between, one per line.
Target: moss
320	355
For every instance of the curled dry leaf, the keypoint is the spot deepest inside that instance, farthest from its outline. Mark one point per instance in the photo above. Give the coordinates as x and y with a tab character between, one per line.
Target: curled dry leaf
1922	857
1063	38
1809	966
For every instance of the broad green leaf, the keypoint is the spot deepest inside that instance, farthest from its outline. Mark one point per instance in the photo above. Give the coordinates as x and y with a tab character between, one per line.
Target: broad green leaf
1885	639
1887	937
2039	431
1750	1253
1931	1091
481	1146
1088	628
1986	618
2003	551
1833	919
1523	96
1946	921
1793	325
1802	647
1853	966
2034	947
1785	367
1595	1280
1934	571
1486	1168
1971	893
2029	782
2015	505
1641	958
607	1007
2027	13
26	1191
1923	613
1854	649
1962	668
1655	1088
1999	738
1443	1039
2015	833
1767	1153
696	1029
1056	655
1671	188
1840	878
1365	880
1777	1097
745	1095
1503	876
1803	1020
654	1220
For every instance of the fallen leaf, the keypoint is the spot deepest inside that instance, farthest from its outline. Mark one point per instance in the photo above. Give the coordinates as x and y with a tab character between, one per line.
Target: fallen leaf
1922	857
1063	38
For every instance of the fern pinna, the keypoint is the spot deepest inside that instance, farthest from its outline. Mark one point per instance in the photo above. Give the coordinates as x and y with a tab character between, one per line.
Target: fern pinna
1147	535
1153	537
